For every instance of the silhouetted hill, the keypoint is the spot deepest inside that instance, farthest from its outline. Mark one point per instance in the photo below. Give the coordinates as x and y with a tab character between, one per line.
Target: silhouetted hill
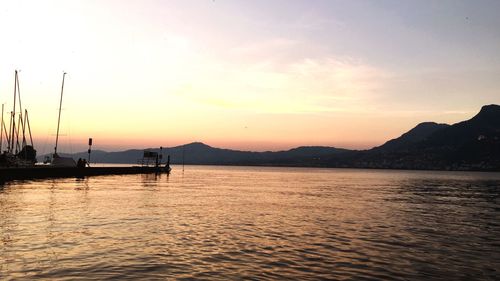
473	142
200	153
486	123
420	133
469	145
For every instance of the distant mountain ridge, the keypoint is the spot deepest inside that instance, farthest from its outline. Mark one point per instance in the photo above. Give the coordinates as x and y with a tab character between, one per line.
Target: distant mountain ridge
473	144
200	153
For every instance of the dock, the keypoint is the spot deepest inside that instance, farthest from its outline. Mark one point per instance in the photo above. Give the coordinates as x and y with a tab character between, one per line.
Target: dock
43	172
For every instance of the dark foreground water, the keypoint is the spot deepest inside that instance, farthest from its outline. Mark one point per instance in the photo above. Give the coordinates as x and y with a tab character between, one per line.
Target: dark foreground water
254	223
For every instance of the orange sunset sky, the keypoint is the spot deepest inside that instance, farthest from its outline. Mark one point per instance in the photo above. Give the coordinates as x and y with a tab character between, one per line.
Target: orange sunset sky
249	75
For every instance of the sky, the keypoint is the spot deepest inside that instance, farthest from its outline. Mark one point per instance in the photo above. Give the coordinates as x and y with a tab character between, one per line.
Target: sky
249	75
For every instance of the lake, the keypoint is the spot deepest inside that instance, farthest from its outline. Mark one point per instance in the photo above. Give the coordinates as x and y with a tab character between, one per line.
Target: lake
214	223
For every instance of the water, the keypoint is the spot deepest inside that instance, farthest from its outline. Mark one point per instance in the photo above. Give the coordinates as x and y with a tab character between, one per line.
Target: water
216	223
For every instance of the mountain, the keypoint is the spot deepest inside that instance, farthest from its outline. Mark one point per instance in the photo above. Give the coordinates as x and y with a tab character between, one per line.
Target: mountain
485	123
473	144
469	145
420	133
200	153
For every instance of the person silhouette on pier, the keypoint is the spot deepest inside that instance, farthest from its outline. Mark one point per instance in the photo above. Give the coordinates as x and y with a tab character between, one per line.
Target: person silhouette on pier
81	163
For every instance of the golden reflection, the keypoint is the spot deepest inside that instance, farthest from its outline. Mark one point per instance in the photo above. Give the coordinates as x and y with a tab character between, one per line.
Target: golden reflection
281	222
150	180
51	254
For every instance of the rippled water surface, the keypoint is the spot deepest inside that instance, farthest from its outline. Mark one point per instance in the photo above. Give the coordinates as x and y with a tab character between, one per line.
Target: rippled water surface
254	223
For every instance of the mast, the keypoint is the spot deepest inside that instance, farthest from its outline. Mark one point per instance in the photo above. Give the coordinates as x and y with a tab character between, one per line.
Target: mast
13	115
29	128
25	119
22	123
59	118
8	134
1	132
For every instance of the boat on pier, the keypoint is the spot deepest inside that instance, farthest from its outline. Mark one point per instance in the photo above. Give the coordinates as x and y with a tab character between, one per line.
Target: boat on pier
17	162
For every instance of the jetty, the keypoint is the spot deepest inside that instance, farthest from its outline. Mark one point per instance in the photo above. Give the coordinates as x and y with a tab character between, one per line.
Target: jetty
48	171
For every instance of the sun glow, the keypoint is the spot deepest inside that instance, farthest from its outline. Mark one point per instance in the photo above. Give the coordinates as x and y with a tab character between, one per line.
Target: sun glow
150	73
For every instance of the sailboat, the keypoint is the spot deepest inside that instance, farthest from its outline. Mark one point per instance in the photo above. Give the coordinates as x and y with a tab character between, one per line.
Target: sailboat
19	152
57	160
17	162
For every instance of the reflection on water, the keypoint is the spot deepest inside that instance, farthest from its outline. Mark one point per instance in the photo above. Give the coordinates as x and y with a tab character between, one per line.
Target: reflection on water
263	223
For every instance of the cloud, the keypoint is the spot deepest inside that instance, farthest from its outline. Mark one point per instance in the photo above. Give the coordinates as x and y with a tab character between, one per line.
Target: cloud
304	86
264	47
